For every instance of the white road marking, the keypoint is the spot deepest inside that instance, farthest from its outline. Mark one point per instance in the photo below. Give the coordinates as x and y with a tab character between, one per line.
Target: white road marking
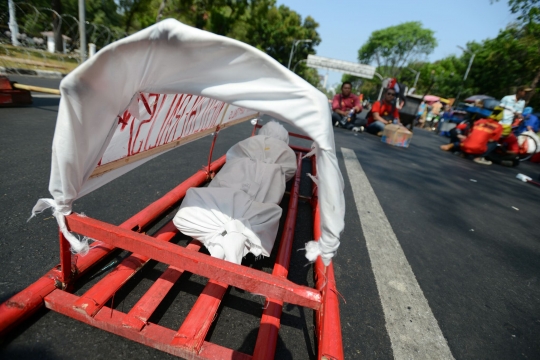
412	328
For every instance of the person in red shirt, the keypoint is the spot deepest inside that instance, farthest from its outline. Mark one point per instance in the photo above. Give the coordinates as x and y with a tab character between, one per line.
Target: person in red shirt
482	139
345	107
382	113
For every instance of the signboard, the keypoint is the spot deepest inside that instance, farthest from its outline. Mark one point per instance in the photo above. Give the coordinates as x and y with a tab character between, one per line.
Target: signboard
165	122
365	71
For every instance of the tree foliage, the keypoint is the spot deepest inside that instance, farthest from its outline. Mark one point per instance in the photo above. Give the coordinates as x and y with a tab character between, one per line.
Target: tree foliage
392	48
528	10
507	61
260	23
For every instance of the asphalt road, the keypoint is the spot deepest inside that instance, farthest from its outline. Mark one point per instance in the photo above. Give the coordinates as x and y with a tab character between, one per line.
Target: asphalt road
474	256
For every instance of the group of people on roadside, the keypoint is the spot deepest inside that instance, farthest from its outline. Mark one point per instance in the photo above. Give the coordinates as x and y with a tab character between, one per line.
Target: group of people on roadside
493	139
346	109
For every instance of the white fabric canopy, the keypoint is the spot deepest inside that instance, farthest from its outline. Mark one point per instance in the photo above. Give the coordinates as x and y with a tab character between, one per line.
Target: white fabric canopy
172	58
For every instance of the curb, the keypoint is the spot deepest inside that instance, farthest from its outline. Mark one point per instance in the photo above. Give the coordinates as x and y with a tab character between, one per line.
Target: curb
40	73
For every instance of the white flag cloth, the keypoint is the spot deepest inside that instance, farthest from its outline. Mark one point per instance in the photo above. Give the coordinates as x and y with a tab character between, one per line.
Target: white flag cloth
228	222
173	58
266	149
261	181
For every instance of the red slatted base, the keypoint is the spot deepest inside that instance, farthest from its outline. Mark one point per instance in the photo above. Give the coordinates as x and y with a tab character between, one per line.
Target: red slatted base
152	335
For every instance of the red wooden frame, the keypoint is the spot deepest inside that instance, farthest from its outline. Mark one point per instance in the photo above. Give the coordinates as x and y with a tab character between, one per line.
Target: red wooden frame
189	340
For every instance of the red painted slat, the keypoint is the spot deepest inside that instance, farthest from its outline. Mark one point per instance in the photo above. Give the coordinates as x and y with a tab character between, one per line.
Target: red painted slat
236	275
265	347
193	331
152	335
95	297
328	323
140	313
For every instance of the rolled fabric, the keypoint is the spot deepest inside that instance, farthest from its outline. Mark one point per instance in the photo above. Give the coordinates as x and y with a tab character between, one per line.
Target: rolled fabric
261	181
268	150
228	222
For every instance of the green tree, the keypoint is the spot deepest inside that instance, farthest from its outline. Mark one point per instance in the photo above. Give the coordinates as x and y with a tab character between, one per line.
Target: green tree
259	23
505	62
395	46
446	73
528	10
274	29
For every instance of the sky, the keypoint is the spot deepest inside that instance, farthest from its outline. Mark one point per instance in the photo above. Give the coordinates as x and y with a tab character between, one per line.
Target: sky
345	25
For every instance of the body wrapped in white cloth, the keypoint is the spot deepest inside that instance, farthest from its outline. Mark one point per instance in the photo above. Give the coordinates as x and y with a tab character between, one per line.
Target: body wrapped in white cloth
228	222
268	150
260	165
238	212
261	181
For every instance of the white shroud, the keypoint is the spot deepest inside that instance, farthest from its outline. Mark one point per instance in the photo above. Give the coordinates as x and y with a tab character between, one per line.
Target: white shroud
261	181
228	222
268	150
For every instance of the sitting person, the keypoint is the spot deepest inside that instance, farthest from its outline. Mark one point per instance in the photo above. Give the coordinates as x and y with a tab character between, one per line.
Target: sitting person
382	113
345	107
529	122
482	139
420	113
513	105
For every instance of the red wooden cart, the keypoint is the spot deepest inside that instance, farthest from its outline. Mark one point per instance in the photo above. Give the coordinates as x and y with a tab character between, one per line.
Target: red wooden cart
188	341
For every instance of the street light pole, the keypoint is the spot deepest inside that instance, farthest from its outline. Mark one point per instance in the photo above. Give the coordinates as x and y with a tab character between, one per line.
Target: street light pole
466	72
295	42
417	76
469	67
295	65
382	85
82	31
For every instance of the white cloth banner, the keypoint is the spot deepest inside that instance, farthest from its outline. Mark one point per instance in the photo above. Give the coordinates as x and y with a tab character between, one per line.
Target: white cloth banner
172	58
161	119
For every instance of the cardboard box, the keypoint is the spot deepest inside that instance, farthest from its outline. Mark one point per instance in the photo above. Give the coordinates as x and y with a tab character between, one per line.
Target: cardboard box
397	135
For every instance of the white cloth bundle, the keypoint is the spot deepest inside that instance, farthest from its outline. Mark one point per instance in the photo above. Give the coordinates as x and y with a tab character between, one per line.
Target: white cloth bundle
261	181
268	150
228	222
